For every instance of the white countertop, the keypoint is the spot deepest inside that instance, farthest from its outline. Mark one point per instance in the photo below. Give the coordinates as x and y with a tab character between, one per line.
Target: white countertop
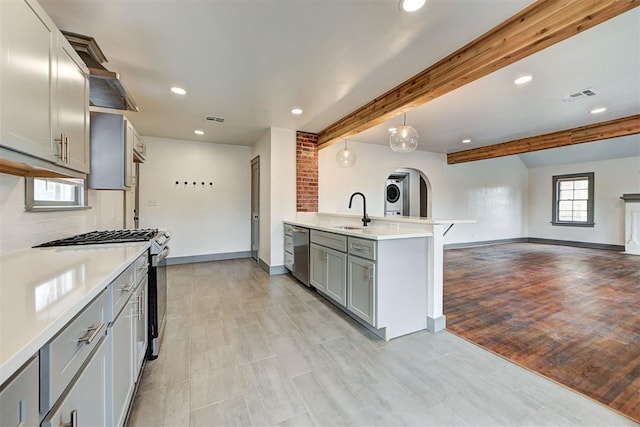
380	228
42	289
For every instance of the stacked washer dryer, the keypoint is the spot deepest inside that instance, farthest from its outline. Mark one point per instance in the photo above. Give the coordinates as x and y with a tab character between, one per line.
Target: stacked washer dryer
397	195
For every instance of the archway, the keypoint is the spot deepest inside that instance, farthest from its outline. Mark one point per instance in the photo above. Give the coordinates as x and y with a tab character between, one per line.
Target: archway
407	192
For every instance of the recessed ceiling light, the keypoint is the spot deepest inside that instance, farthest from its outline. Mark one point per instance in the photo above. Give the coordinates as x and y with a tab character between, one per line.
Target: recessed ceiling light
466	141
392	129
598	110
522	80
296	111
198	132
178	90
411	5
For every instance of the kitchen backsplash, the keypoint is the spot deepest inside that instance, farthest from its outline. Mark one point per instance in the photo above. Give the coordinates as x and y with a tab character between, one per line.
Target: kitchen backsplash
20	229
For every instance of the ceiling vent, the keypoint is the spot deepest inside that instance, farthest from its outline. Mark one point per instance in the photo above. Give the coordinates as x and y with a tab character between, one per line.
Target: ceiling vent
214	119
579	95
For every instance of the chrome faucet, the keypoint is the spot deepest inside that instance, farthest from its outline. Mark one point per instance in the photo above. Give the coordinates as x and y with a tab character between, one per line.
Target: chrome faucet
365	218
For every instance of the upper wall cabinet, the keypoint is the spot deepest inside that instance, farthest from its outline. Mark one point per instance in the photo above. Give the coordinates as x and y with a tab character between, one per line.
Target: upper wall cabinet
45	92
112	142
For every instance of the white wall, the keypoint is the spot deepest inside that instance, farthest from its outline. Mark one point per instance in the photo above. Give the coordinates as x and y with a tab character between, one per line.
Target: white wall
493	192
277	151
612	179
20	229
203	220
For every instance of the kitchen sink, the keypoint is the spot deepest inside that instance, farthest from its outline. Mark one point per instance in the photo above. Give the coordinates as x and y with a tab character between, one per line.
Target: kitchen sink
347	227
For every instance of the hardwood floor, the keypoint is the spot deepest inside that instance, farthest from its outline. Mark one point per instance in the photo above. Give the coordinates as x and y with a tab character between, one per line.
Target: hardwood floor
247	349
571	314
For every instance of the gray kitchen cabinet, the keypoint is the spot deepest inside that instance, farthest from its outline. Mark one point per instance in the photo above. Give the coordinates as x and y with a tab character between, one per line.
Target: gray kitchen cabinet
361	300
72	100
112	138
19	397
329	272
86	403
128	333
44	97
139	325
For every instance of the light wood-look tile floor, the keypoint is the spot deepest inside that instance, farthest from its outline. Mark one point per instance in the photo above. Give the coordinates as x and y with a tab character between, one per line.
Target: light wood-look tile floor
242	348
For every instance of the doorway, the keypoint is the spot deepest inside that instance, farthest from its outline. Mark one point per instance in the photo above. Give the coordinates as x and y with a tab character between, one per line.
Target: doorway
407	193
255	207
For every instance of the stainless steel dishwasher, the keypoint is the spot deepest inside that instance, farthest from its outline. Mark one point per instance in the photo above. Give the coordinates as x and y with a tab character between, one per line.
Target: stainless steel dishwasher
299	247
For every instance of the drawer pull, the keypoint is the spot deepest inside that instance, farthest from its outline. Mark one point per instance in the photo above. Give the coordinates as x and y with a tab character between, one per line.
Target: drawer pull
127	288
92	333
73	422
359	248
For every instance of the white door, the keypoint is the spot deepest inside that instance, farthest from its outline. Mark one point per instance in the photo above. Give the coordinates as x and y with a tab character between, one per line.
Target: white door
255	207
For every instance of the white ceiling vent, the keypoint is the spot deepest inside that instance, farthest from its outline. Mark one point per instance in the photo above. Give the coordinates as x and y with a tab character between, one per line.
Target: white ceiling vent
214	119
579	95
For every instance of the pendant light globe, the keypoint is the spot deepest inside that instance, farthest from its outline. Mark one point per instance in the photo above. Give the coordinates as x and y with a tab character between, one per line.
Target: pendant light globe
404	139
346	157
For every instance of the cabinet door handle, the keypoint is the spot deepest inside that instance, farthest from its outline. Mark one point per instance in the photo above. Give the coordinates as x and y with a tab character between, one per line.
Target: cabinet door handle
73	422
140	306
370	273
66	149
92	333
127	288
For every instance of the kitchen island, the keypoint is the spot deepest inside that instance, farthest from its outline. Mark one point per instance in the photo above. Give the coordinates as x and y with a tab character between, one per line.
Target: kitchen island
387	275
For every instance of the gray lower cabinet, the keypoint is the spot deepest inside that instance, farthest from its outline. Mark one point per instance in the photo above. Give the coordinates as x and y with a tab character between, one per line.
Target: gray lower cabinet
19	397
139	321
121	351
362	288
86	403
329	272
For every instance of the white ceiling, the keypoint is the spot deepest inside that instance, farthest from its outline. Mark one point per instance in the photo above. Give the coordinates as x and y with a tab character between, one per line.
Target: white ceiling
251	61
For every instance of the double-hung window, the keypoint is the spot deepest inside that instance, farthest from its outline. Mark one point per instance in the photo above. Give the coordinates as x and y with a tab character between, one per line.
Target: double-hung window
573	200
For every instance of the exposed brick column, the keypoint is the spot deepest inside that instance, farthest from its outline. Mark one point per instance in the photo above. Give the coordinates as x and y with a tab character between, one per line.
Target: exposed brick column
306	172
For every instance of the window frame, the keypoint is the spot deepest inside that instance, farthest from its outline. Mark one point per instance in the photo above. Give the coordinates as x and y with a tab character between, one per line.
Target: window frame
590	176
32	205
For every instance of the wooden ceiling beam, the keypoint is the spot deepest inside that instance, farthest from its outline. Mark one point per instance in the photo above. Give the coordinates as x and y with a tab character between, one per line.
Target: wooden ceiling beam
535	28
594	132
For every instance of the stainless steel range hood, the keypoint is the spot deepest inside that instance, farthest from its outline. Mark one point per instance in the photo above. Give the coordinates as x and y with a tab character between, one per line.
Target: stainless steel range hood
105	88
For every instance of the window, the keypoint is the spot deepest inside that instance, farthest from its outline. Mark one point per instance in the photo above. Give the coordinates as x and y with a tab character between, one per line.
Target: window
573	200
49	194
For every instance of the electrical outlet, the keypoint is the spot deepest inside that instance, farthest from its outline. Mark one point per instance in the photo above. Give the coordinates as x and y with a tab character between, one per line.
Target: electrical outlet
152	202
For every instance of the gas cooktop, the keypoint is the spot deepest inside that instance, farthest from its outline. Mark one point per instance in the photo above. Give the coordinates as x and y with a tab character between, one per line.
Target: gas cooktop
107	236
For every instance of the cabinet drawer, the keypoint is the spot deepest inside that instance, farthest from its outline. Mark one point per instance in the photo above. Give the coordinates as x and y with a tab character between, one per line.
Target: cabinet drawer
288	260
61	358
141	267
330	240
288	244
19	397
87	400
362	247
288	230
120	290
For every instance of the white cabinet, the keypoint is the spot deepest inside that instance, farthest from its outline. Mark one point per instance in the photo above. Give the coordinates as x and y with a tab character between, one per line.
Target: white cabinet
112	140
44	86
122	353
86	403
362	289
19	397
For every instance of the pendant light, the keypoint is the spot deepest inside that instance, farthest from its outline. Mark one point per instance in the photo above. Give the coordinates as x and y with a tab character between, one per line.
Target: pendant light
346	157
405	138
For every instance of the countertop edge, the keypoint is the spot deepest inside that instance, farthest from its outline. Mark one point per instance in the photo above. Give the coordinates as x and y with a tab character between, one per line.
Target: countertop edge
18	359
360	233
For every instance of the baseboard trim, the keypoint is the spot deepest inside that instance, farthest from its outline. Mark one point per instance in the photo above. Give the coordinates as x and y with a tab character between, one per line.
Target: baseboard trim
586	245
436	324
485	243
275	270
193	259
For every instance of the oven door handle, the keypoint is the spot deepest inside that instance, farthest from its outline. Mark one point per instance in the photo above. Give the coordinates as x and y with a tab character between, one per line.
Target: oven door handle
155	260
